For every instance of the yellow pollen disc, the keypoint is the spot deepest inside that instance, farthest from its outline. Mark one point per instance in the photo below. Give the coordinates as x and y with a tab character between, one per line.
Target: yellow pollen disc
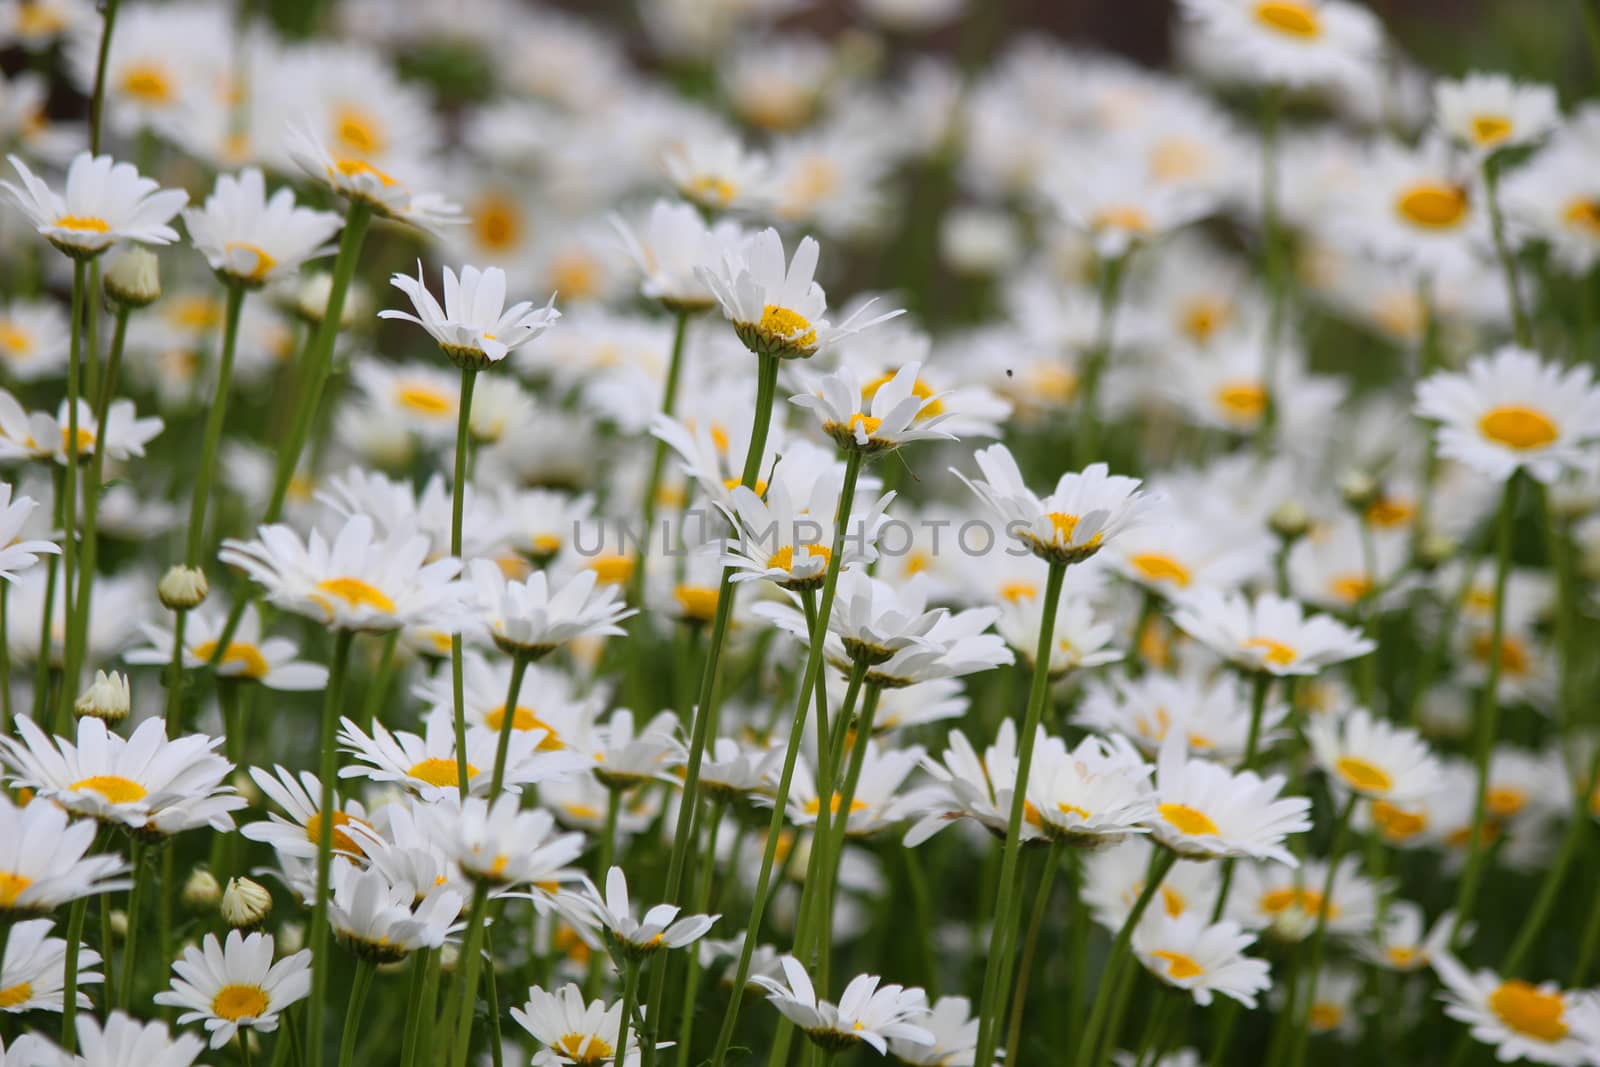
1073	809
1489	130
1388	513
425	399
1326	1016
1052	383
264	262
710	189
916	562
1179	966
14	341
1584	213
148	83
248	656
612	570
497	222
235	1002
356	593
1064	525
12	886
790	327
1204	316
498	867
1157	567
1309	901
1030	814
17	994
1433	205
1188	820
1177	158
865	422
814	805
1129	217
1277	652
583	1048
1505	801
567	941
1292	17
581	811
1350	587
1242	402
1363	776
1401	955
576	276
358	132
524	719
1018	591
113	788
341	840
82	224
546	544
697	601
783	559
1518	428
85	439
440	772
353	168
1172	901
1523	1008
38	20
1513	656
919	389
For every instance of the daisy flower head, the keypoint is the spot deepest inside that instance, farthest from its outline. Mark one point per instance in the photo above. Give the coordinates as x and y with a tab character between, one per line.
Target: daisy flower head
1115	879
251	239
1511	410
1211	714
383	920
45	861
387	193
955	1036
1204	812
1289	901
529	618
358	581
668	246
124	1040
876	421
574	1032
474	329
1202	958
1297	43
35	339
249	656
1175	552
427	763
1518	1018
624	756
715	171
497	844
970	786
774	303
1070	524
235	985
1404	941
104	202
1268	634
1080	638
33	972
1117	206
1488	112
783	539
866	1013
1373	758
637	938
298	835
1418	207
877	803
145	782
18	555
1556	198
1091	795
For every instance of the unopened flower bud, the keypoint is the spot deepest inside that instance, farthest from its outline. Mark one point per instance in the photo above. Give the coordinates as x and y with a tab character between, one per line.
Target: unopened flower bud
119	924
1290	521
245	903
134	278
201	891
1434	550
182	588
1359	489
107	697
311	300
291	938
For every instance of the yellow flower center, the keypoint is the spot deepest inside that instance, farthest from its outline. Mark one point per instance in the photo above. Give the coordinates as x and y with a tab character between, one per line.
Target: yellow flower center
358	132
814	805
613	569
353	168
919	389
1584	213
1513	656
85	439
14	341
263	262
1188	820
1051	383
580	810
1295	18
1177	158
1172	901
1204	316
1016	592
148	83
1433	205
1505	801
1517	427
1389	512
523	719
1363	776
583	1048
1401	955
235	1002
710	189
355	593
34	19
1073	809
1523	1008
1064	525
497	222
341	840
248	656
1129	217
1277	652
1326	1016
783	559
83	224
790	327
1309	901
440	772
12	886
113	788
1397	824
425	399
1350	587
576	276
1179	966
696	601
1490	130
17	994
1242	402
1157	567
546	544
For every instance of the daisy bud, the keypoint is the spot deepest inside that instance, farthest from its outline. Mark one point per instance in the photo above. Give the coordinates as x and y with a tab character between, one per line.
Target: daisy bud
246	903
1359	489
182	588
119	924
106	698
291	938
1434	550
134	278
1290	521
201	891
311	300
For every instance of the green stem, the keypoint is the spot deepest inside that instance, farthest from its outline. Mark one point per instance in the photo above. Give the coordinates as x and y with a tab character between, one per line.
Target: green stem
175	675
379	686
98	100
326	808
1272	261
1467	893
1160	864
352	1016
998	968
471	961
701	906
669	401
508	718
130	947
69	522
69	987
1030	946
1086	438
9	715
414	1006
1319	933
1502	251
630	997
216	417
1549	890
458	499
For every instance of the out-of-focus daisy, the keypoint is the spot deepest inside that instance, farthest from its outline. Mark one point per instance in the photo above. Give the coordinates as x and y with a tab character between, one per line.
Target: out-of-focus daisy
427	763
248	657
16	554
123	1037
635	938
1511	410
1488	112
380	920
104	202
251	239
387	193
1404	941
1114	879
1092	794
877	802
717	172
1080	639
496	844
474	328
1556	198
529	618
866	1013
574	1032
1202	958
1417	207
1373	758
298	835
33	973
1118	207
235	985
1211	715
1268	634
1289	901
784	540
668	246
44	861
1171	554
955	1036
891	415
1518	1018
1292	42
1207	813
35	340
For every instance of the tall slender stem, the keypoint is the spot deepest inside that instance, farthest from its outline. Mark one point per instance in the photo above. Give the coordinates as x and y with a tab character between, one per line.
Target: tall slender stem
130	946
470	963
508	724
216	417
1030	945
700	906
998	968
1160	864
1319	933
652	489
469	377
630	998
69	987
1086	437
69	512
98	100
352	1016
1503	252
326	809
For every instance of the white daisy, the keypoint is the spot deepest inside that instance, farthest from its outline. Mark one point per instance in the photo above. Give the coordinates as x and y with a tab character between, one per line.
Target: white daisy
380	920
1299	43
124	1039
1080	639
876	420
499	845
1289	901
1404	941
635	938
1211	714
251	239
34	971
970	786
574	1032
104	202
299	796
866	1013
248	657
17	555
1200	957
955	1036
427	763
1376	759
235	985
474	328
717	172
389	193
1519	1019
1268	634
1114	879
1488	112
877	803
1204	812
528	618
44	860
668	246
1090	795
35	339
